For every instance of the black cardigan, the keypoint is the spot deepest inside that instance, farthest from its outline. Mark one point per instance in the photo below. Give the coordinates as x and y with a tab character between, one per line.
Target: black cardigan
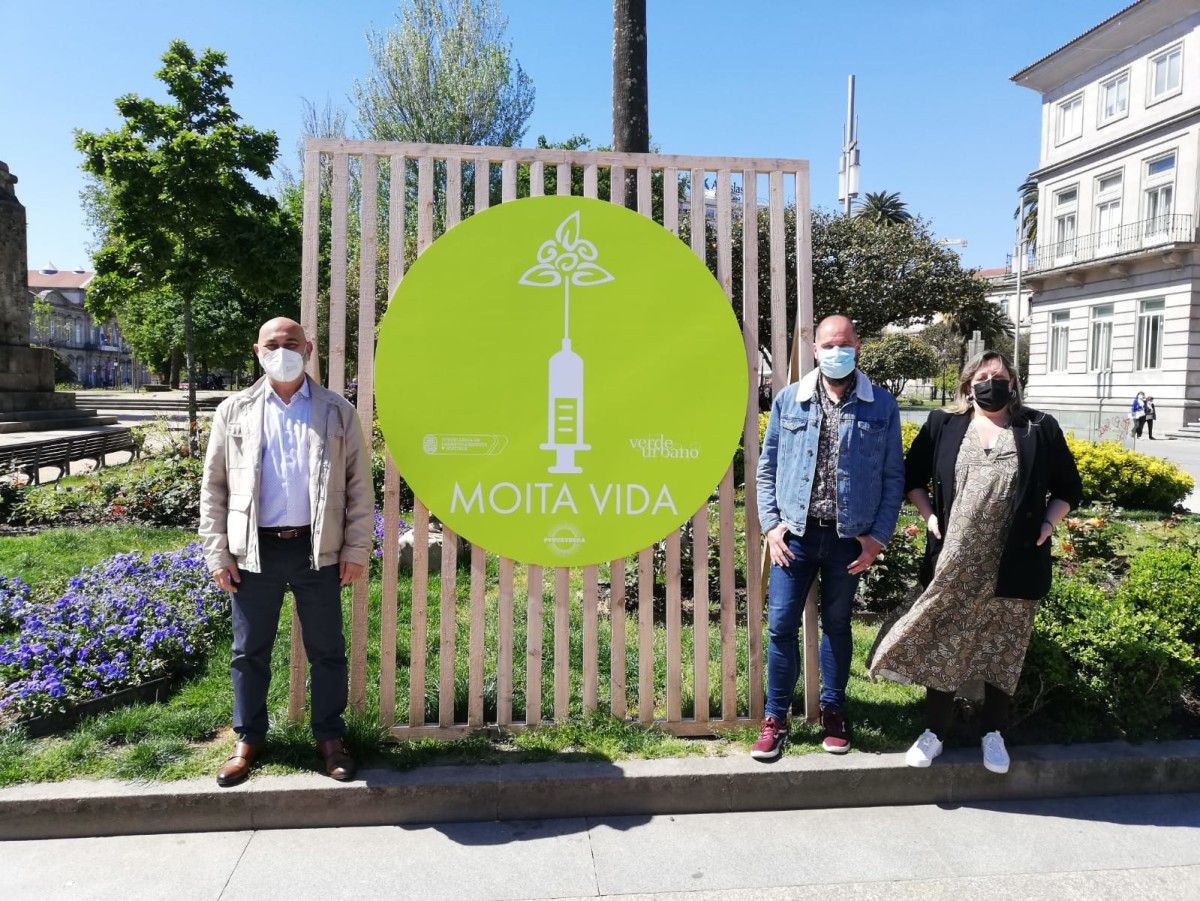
1046	471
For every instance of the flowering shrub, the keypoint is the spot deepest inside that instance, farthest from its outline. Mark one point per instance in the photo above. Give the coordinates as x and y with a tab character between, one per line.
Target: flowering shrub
894	572
377	544
1126	478
908	431
1093	540
120	623
14	601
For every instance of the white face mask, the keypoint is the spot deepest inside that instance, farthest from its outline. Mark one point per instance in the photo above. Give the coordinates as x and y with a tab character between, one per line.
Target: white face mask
281	364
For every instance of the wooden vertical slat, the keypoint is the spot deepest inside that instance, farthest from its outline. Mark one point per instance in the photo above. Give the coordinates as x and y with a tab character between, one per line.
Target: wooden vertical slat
779	352
504	646
397	210
802	356
419	617
453	192
448	623
671	200
754	580
310	264
616	580
389	600
309	276
591	180
425	201
537	179
700	611
616	185
725	502
696	215
644	202
728	601
674	629
645	629
483	181
562	179
533	647
562	643
591	644
336	382
475	649
508	180
360	597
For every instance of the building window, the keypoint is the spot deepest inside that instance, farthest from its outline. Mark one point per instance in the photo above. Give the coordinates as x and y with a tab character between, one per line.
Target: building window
1166	73
1160	194
1070	118
1100	353
1108	212
1065	205
1114	98
1150	334
1060	334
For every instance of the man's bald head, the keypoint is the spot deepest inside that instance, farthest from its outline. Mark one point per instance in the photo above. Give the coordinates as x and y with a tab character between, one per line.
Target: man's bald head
278	328
839	326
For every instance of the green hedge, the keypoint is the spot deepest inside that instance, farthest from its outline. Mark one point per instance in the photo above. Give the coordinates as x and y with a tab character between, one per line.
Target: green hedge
1126	478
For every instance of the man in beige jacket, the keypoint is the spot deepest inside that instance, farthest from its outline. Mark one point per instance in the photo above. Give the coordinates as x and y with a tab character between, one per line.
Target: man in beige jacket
286	502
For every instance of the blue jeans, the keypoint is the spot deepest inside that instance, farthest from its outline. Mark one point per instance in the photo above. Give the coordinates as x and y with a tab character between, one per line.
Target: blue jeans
818	550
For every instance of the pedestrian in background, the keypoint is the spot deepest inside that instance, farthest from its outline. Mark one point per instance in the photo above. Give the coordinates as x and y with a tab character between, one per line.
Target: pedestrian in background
1137	414
1150	415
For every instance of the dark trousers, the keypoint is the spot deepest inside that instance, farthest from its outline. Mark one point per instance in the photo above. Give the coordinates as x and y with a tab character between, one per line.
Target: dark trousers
939	710
256	606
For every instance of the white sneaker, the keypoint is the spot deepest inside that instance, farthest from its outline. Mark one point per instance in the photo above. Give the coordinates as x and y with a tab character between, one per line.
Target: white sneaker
995	755
923	750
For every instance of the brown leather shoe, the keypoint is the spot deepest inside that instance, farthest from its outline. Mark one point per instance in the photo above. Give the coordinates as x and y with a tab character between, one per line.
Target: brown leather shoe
237	766
338	764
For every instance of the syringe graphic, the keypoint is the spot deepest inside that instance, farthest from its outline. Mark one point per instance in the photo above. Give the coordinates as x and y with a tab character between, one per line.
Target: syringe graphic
565	410
566	259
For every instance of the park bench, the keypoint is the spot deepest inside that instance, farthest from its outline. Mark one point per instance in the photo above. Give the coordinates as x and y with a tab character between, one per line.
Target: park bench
30	458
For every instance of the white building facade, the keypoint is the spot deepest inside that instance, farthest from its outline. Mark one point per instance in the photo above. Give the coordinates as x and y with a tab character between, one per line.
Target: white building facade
1114	303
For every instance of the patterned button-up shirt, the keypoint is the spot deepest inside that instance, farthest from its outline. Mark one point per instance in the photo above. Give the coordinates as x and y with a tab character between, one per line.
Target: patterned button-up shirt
822	503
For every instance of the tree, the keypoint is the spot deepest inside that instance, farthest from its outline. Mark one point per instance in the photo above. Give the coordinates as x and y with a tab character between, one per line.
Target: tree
630	104
884	208
1026	213
974	312
444	74
893	359
180	210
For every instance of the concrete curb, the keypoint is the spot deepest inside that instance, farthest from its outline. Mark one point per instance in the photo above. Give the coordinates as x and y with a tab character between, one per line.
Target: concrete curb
635	787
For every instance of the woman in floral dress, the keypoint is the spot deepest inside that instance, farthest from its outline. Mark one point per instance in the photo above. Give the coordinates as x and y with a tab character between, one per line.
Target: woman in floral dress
1002	478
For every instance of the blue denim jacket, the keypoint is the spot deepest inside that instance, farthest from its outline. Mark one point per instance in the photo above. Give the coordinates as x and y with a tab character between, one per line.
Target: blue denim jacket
870	471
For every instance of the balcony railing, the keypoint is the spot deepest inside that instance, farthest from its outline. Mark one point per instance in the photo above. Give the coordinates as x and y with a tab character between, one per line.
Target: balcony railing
1123	239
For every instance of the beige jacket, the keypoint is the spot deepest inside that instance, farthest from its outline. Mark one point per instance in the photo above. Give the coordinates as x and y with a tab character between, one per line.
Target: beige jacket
340	493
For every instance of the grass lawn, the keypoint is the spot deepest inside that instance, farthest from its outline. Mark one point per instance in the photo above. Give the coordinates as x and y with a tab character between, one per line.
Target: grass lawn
189	734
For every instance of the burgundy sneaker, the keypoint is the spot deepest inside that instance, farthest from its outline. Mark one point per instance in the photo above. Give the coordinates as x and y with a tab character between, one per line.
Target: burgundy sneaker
837	735
770	740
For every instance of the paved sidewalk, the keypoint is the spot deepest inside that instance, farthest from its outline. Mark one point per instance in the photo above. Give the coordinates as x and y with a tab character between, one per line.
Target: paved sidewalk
1095	848
1182	451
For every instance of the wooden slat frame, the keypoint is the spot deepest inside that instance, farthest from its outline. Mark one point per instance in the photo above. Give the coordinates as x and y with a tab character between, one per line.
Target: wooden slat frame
781	299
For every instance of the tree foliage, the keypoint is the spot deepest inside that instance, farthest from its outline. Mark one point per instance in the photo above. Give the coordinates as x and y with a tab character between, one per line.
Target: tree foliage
181	214
895	358
884	208
444	74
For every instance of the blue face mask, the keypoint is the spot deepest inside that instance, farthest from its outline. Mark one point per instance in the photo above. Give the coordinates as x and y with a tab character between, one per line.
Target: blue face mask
837	362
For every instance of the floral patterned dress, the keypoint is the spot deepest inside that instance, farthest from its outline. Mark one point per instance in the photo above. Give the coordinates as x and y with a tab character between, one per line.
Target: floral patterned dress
957	630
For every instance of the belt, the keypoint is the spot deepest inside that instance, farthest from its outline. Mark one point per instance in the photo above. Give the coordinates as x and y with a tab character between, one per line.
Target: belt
286	532
822	522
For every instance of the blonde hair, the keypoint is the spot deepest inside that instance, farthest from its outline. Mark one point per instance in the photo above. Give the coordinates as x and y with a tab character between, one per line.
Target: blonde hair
967	376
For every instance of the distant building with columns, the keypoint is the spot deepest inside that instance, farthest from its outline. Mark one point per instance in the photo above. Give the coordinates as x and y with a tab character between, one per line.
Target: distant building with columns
96	351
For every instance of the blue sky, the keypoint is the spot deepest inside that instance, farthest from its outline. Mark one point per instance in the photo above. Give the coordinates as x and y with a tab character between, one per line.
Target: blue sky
939	120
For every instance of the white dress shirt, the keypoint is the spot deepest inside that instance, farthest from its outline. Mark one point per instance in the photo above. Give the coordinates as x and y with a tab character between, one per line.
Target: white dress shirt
283	489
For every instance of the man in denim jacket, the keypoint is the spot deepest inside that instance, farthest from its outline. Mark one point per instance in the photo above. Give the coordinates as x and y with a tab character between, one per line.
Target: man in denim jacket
830	484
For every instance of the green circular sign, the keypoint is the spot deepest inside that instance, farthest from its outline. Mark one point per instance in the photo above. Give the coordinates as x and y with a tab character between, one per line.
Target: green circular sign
561	380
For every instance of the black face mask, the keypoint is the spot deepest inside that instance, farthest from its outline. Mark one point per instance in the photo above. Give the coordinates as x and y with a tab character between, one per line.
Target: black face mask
992	394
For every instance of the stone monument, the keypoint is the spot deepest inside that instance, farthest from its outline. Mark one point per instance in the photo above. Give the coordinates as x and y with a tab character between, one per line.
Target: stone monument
28	401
